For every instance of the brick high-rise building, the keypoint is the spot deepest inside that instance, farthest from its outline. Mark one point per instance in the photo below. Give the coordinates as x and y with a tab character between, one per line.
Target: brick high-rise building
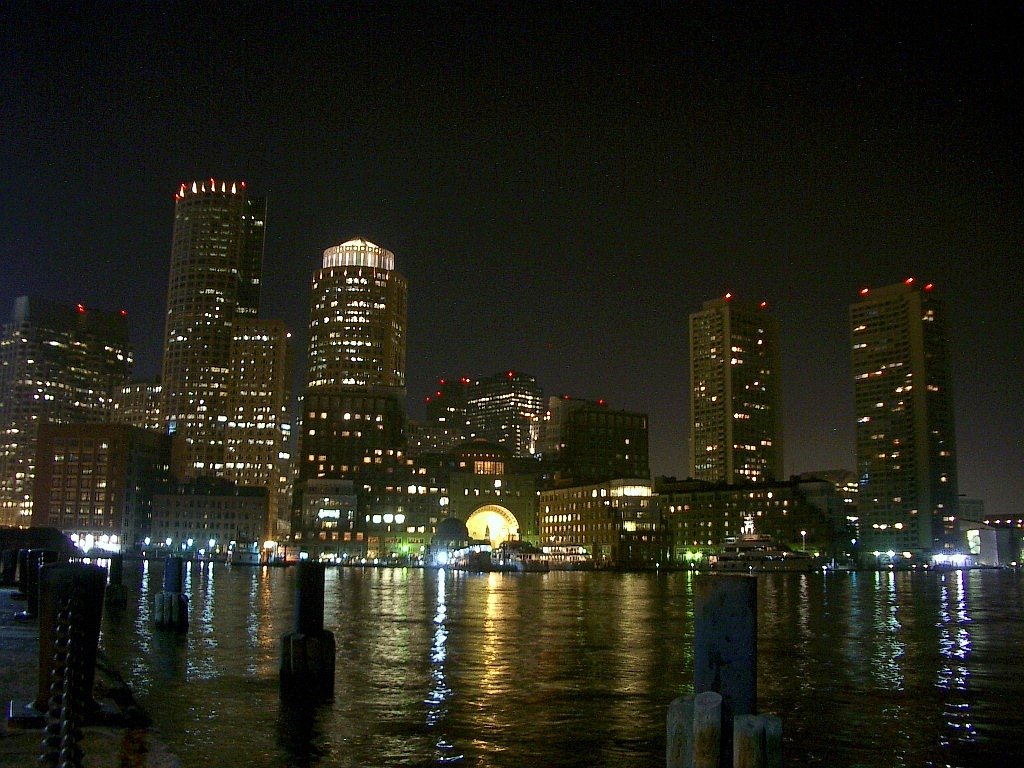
735	393
906	443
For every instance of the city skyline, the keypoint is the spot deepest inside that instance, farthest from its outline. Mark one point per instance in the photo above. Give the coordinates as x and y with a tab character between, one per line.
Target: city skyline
559	202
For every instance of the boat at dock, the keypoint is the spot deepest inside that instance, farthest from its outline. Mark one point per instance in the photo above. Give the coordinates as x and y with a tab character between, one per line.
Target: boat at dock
759	552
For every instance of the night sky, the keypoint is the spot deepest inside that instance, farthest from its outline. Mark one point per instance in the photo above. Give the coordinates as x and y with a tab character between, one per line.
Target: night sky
561	185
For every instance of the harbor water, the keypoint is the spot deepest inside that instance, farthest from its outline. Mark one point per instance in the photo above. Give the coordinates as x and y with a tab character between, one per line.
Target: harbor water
572	669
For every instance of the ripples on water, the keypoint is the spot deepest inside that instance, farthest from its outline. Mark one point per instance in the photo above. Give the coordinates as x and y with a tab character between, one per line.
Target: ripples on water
575	669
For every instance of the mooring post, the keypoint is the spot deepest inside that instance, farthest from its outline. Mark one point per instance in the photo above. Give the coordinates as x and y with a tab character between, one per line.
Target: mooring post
83	585
8	566
307	652
36	559
117	595
725	647
171	608
22	576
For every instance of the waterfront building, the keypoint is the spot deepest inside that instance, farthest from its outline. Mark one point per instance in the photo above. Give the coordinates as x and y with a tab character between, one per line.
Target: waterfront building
329	509
700	516
584	442
735	393
354	409
216	261
138	404
507	409
493	492
207	514
60	363
95	482
615	521
905	440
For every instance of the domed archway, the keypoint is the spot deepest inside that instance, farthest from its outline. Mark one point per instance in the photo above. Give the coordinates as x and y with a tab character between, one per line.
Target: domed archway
493	523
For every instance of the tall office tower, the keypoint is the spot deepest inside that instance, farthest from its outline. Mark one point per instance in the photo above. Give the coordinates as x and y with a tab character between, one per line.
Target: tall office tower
358	318
735	393
353	410
216	258
60	364
507	409
906	451
257	450
585	442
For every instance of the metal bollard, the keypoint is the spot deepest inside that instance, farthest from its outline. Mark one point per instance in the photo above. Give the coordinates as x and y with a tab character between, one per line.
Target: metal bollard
58	583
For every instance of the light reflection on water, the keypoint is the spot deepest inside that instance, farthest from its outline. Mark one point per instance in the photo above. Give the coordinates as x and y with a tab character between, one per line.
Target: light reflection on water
574	669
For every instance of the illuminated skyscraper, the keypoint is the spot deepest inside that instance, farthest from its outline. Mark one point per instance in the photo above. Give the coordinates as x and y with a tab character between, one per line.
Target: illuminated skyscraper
735	397
353	409
216	259
358	318
507	409
906	450
61	364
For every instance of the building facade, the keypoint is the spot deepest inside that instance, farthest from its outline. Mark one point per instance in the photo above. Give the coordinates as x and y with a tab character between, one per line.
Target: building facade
616	522
61	364
699	516
208	514
735	393
138	404
507	409
905	438
257	435
95	482
584	442
215	276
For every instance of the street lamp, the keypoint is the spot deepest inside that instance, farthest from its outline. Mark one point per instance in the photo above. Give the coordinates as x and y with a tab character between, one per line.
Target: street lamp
803	540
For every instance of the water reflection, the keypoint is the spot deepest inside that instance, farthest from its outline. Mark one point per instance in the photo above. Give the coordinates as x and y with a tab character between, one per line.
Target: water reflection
955	649
440	692
566	670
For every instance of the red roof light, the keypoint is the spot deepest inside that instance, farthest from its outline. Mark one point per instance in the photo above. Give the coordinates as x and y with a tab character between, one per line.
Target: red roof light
728	297
79	308
909	281
929	286
865	291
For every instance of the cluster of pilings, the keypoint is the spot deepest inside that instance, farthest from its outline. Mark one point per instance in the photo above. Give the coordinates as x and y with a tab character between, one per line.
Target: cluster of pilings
717	726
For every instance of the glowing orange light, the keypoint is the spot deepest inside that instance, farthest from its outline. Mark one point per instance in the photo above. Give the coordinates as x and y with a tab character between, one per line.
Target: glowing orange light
865	291
764	305
728	297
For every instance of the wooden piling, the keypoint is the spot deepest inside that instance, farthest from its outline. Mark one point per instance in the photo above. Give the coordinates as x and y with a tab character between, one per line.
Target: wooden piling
725	646
308	652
